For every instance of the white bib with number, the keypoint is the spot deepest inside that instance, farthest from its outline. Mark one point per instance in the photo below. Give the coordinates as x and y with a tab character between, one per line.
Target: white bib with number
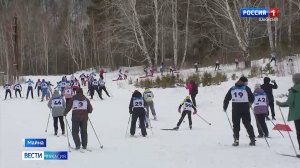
57	102
138	102
63	84
68	91
80	105
7	87
44	85
95	83
260	100
30	83
187	106
18	87
239	95
102	83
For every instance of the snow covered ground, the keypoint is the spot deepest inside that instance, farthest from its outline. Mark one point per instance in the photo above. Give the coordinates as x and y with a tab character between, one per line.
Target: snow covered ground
206	145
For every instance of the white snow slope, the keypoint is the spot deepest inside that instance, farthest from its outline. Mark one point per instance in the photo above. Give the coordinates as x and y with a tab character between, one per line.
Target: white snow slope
204	146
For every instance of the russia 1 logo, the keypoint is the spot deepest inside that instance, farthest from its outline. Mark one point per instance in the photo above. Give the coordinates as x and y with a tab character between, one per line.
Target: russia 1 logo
273	12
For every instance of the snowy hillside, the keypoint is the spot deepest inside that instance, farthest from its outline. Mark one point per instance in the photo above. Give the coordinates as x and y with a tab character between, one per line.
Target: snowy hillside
207	146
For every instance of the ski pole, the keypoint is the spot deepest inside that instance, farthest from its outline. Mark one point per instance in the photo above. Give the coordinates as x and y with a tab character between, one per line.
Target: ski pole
288	132
48	121
203	119
101	146
127	124
230	125
150	125
69	146
68	125
109	92
259	126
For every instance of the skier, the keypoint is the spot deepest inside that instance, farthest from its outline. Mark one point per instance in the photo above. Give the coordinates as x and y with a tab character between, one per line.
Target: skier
68	93
172	69
217	65
193	91
44	88
49	90
187	110
161	68
241	95
29	88
236	61
102	87
101	72
148	97
120	75
75	85
137	109
294	105
82	78
57	105
260	109
18	88
59	87
72	78
81	107
196	66
273	58
268	88
38	86
146	71
7	88
95	87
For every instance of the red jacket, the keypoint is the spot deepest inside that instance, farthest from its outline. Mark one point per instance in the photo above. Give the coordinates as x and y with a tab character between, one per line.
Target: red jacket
189	87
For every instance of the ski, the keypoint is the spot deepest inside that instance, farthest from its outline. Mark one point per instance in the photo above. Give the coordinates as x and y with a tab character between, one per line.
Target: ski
169	129
282	154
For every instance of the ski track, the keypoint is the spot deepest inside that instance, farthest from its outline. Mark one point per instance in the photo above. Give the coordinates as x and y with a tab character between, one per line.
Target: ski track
203	146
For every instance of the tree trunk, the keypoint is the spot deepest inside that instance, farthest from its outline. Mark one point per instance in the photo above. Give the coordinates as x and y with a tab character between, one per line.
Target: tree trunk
175	31
186	33
156	33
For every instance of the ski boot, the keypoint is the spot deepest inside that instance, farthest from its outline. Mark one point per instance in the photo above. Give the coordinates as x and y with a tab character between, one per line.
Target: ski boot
63	132
155	118
252	142
235	143
273	118
190	127
267	118
55	133
260	136
176	128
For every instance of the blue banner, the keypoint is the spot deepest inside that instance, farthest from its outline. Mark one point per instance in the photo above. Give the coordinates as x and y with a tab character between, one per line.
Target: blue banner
254	12
34	142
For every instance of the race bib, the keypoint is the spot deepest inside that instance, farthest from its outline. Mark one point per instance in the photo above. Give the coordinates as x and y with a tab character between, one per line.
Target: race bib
260	100
18	87
76	84
44	85
138	103
30	83
102	83
148	94
68	91
187	106
63	84
95	83
239	95
7	87
80	105
57	103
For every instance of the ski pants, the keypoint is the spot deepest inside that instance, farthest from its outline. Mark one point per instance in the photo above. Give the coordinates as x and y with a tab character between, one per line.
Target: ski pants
93	91
18	91
104	88
29	89
151	106
38	90
246	119
82	127
135	115
261	124
61	121
6	92
184	113
271	104
193	96
297	126
217	67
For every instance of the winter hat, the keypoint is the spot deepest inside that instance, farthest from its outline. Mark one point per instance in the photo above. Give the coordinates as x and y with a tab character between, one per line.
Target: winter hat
79	91
187	97
296	78
257	86
267	80
243	79
136	93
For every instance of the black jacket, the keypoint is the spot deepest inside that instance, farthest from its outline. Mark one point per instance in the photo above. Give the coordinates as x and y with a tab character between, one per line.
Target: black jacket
239	106
268	88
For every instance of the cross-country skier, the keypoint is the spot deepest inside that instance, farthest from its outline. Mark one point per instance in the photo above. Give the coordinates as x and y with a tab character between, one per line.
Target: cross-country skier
57	105
102	87
29	88
148	97
68	93
273	57
75	85
18	88
217	67
38	86
260	109
294	105
268	88
95	87
82	78
137	110
187	110
241	97
44	86
161	69
193	91
7	88
81	107
101	72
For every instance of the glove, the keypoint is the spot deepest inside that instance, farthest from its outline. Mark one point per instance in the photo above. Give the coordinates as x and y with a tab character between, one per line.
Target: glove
179	111
195	112
273	81
65	114
130	111
277	102
224	110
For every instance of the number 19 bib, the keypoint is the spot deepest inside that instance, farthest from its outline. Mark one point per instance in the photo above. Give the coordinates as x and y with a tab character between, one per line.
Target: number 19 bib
239	95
